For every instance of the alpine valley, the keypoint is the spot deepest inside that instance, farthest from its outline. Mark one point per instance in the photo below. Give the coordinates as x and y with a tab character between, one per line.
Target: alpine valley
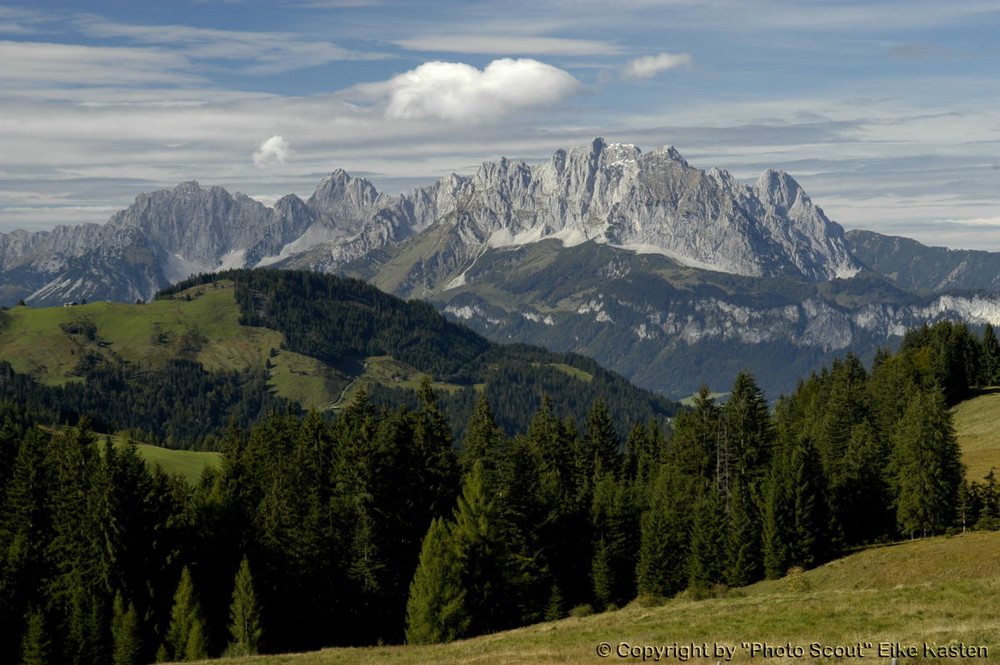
668	274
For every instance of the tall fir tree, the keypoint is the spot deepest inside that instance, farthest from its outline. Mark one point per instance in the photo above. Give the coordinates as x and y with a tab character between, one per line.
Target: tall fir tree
186	637
928	468
811	541
245	630
743	540
664	535
707	557
777	520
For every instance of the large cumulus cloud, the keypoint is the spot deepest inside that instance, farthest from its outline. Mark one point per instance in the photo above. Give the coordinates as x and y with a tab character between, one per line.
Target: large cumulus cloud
460	92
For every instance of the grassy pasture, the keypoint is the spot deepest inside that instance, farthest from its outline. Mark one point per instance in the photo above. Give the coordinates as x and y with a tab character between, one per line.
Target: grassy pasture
938	591
977	424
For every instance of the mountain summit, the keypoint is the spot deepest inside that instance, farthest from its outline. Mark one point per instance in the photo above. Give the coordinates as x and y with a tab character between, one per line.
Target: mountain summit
609	193
664	272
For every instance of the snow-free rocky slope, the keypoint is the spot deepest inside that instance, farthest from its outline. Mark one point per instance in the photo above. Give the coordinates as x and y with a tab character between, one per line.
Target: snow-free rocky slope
667	273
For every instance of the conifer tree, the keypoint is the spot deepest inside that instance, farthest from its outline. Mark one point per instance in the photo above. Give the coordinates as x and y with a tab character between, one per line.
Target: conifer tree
125	634
244	615
599	444
746	447
477	539
928	466
614	523
664	537
777	521
436	610
990	364
707	558
811	541
36	646
482	438
743	540
186	636
695	445
645	450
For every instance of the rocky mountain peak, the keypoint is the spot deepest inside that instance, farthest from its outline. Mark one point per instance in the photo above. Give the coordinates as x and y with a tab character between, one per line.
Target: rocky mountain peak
779	189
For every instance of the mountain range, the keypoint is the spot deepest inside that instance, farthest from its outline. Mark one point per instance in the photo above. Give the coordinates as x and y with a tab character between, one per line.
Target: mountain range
669	274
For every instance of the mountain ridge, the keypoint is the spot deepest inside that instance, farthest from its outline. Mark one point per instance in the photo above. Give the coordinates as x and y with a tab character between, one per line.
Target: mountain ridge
477	245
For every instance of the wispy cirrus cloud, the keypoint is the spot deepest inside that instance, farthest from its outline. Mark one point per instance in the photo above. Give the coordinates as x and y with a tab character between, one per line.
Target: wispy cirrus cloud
269	52
34	63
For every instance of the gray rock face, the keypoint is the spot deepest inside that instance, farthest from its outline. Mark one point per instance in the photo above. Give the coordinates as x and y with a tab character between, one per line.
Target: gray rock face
611	194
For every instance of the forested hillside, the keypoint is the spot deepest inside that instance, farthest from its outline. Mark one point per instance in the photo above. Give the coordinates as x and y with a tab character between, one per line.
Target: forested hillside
378	527
231	348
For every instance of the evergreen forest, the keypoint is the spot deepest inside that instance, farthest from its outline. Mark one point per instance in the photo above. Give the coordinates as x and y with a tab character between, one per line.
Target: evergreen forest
381	526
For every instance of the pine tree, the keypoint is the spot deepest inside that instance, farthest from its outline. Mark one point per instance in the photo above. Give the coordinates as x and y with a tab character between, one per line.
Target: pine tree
186	636
125	634
436	610
244	615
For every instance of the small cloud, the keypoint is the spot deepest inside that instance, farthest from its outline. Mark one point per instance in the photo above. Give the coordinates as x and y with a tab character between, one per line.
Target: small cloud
457	91
275	150
649	66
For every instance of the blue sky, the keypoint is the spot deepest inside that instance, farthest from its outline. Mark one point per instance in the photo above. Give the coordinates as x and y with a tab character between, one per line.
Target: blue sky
888	113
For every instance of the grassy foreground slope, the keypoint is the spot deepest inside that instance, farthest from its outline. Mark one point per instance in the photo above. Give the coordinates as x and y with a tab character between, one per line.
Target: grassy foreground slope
936	591
977	423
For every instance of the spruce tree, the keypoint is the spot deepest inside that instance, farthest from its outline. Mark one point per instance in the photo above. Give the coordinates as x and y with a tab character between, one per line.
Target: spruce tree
777	521
743	540
664	536
707	558
614	525
928	466
244	615
599	445
810	534
482	438
436	610
746	446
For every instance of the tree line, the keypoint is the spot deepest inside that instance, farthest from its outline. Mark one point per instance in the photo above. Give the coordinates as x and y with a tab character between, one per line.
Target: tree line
380	527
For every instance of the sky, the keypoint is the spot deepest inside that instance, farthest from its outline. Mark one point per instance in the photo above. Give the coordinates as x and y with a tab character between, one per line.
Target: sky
887	112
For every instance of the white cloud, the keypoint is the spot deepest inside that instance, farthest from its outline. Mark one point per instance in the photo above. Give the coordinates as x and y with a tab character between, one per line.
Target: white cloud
274	150
649	66
508	44
457	91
